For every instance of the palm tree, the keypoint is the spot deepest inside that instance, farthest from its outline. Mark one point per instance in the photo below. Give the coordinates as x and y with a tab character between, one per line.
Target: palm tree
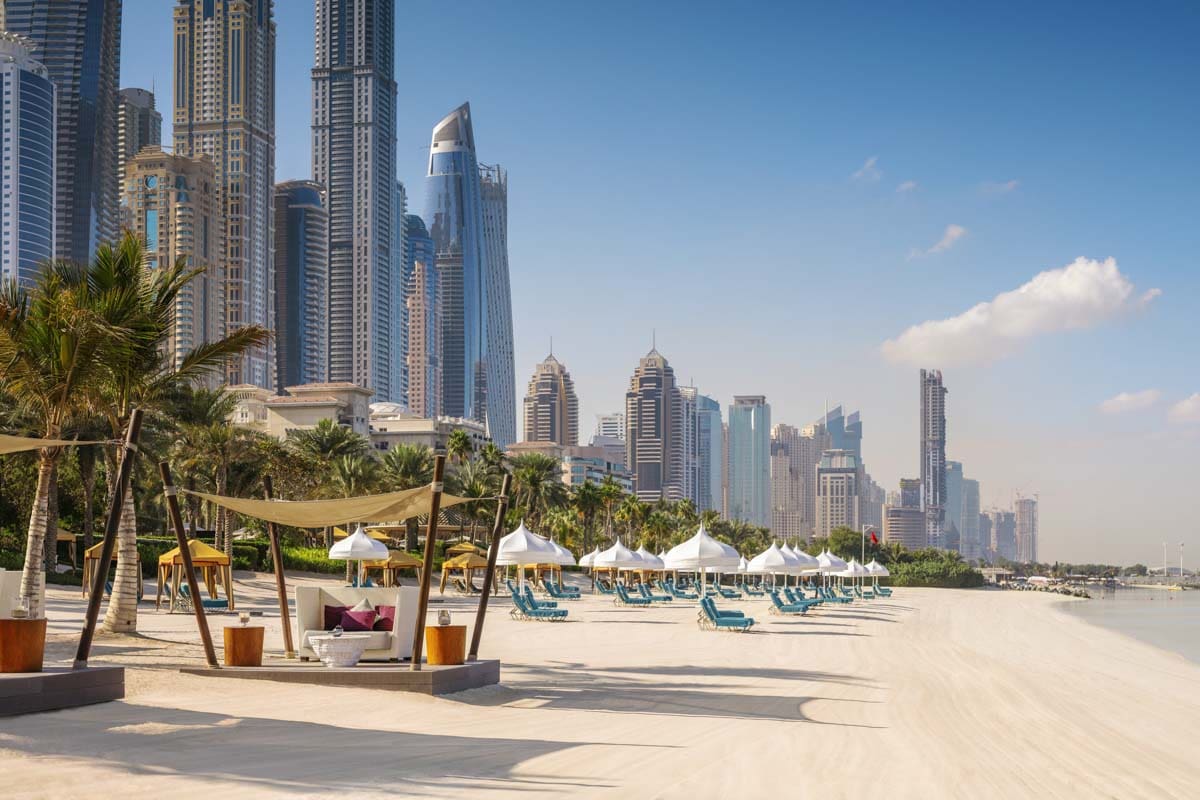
351	476
458	446
408	467
221	445
538	485
632	512
610	494
54	344
493	458
325	443
195	411
472	479
656	533
587	502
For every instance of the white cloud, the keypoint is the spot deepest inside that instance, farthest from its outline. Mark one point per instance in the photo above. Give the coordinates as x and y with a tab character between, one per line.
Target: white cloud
949	236
1186	410
1130	401
907	186
1003	187
868	171
1083	294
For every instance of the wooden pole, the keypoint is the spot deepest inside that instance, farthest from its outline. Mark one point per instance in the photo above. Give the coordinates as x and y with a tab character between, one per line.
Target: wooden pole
189	570
111	524
435	507
289	648
490	573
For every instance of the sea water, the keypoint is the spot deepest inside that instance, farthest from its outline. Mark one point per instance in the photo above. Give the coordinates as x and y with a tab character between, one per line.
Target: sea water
1165	619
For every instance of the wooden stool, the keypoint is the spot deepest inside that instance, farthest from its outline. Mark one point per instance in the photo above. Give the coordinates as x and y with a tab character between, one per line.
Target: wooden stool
446	644
22	644
244	646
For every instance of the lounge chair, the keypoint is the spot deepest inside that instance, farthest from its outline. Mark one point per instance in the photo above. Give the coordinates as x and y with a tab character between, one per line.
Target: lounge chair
623	598
728	594
780	607
830	597
645	592
604	588
208	603
750	591
559	593
535	603
679	594
865	595
523	611
713	618
882	591
798	596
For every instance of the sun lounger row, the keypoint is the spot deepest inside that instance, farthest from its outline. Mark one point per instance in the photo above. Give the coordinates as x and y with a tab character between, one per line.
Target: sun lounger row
526	608
713	618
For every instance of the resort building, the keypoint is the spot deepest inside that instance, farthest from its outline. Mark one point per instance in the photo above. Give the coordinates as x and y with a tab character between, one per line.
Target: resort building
423	312
27	145
170	202
654	452
392	425
933	454
302	408
78	42
138	124
551	407
224	107
750	460
354	158
582	465
837	492
501	378
1026	529
301	284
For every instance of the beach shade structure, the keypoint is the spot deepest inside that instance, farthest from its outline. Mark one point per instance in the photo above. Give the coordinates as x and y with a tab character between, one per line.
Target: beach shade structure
771	561
563	556
360	547
809	564
91	562
650	562
467	563
465	547
617	557
523	548
877	571
390	567
829	564
587	560
211	565
375	533
699	553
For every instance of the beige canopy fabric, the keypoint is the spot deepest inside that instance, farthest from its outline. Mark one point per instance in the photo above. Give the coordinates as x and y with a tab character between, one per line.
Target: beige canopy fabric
327	513
19	444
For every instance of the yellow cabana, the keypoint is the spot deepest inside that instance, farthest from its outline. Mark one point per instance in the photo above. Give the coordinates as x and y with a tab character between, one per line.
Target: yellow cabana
467	563
465	547
396	561
91	562
70	539
374	533
212	566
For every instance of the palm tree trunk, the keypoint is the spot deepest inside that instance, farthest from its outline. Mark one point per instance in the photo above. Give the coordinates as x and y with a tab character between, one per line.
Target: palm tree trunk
50	541
410	534
87	476
33	577
121	616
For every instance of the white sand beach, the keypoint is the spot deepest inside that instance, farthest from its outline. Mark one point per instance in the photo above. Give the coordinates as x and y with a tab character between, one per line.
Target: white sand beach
931	693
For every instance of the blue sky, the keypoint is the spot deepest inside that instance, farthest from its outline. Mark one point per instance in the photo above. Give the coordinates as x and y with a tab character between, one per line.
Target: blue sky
691	168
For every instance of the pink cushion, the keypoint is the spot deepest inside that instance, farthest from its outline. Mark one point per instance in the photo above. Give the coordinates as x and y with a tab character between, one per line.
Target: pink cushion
333	616
357	620
386	619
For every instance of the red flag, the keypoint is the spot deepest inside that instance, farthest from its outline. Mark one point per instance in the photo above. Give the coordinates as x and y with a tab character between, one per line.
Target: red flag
874	538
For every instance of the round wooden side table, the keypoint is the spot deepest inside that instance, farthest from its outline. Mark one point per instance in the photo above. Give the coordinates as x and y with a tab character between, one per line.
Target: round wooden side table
244	646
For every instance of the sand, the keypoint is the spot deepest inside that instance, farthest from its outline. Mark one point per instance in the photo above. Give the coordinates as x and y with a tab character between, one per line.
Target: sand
932	693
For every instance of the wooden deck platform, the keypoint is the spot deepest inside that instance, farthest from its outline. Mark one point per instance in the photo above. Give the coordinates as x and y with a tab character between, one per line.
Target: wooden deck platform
59	687
432	680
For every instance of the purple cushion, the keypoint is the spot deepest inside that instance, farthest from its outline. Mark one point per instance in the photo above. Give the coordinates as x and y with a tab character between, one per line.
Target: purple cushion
333	616
386	619
357	620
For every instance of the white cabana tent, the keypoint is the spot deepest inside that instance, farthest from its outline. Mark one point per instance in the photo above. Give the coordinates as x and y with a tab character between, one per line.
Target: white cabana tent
359	547
771	561
565	558
700	552
617	557
829	564
586	561
523	547
650	561
876	571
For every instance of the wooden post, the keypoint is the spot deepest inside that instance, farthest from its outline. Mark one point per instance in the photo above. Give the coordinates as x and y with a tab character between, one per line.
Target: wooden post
189	570
489	575
435	507
111	524
289	648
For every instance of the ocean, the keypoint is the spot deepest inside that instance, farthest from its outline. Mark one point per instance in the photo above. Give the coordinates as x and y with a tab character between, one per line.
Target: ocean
1168	620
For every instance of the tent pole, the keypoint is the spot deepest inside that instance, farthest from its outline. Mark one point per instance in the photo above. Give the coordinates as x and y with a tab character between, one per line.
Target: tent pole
111	523
435	507
289	648
189	569
490	572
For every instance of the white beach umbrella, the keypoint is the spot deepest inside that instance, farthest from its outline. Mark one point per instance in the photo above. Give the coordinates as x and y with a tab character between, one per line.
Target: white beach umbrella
830	564
522	547
617	557
743	565
586	561
771	561
876	571
650	561
795	565
564	556
358	547
809	563
699	552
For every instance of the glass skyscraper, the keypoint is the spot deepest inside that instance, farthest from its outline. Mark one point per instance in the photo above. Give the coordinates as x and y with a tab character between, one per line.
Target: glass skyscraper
301	284
422	300
79	44
710	446
501	381
750	460
27	168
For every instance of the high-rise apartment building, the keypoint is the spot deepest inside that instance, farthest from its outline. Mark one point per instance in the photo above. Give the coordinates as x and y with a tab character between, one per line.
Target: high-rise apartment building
689	443
170	202
138	124
551	407
652	425
301	284
787	484
750	460
224	107
710	446
1004	534
399	278
972	545
985	538
904	526
354	158
423	311
837	492
501	383
1026	529
953	508
910	493
933	454
27	150
611	425
79	44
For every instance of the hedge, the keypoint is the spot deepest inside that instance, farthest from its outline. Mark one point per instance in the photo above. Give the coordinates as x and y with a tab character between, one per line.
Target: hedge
942	574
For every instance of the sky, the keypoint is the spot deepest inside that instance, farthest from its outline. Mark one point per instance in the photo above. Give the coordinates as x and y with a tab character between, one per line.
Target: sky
813	201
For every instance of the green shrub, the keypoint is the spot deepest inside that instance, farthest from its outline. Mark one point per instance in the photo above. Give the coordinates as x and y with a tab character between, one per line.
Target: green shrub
311	559
12	560
940	573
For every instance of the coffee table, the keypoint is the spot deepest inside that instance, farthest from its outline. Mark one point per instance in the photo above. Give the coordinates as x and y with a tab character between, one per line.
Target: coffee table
339	651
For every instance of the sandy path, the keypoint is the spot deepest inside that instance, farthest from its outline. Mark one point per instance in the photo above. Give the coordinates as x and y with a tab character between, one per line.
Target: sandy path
928	694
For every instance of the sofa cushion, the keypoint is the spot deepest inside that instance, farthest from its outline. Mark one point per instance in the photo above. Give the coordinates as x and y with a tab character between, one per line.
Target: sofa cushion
386	619
363	605
357	620
333	616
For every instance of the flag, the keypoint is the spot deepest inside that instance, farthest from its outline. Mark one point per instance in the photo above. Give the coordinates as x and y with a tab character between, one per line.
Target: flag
874	538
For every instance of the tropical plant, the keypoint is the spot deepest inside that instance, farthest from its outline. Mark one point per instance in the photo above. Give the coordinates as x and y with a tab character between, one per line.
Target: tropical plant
611	495
538	486
632	513
324	444
657	530
408	467
473	480
493	459
587	501
459	446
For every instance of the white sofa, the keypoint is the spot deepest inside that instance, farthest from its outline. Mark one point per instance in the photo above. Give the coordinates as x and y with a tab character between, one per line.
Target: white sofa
384	645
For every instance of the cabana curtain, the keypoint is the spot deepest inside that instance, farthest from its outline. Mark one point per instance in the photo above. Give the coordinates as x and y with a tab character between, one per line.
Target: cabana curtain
391	507
19	444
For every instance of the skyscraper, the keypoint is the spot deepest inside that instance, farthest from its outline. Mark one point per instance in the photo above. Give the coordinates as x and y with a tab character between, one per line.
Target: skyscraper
953	510
933	454
1026	529
750	460
27	141
354	158
138	124
301	284
224	104
79	44
611	425
787	484
399	299
423	311
972	546
652	430
687	399
501	386
170	202
837	491
1004	534
985	538
454	214
710	443
551	407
